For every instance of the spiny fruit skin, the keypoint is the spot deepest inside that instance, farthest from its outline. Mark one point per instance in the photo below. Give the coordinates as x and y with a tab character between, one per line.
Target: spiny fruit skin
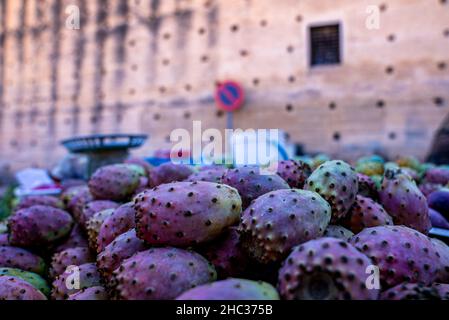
64	285
370	168
143	185
76	238
443	251
367	187
411	291
437	219
92	208
185	213
404	202
76	198
116	182
232	289
210	175
121	220
4	239
19	258
72	256
169	172
411	173
31	201
366	213
161	274
92	293
123	247
437	176
251	183
226	254
439	201
294	172
93	226
38	225
32	278
401	253
279	220
325	269
339	232
14	288
336	181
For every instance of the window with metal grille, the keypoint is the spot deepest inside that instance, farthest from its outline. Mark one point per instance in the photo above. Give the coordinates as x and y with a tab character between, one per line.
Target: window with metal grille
325	45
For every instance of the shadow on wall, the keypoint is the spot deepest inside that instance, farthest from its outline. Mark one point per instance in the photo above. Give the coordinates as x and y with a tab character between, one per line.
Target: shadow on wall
439	153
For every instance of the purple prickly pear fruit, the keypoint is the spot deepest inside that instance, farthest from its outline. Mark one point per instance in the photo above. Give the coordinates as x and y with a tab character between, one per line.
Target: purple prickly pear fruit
32	278
72	256
212	166
336	181
366	213
92	293
226	254
13	257
367	187
437	176
251	183
294	172
143	185
437	219
161	274
75	199
279	220
93	226
169	172
339	232
404	202
76	238
326	269
38	225
427	188
211	175
411	291
443	252
31	201
4	239
408	162
232	289
411	173
442	289
121	220
185	213
439	201
123	247
116	182
140	162
66	283
401	253
93	207
13	288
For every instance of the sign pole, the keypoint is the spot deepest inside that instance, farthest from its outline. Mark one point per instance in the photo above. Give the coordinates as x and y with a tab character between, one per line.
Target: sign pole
230	120
229	96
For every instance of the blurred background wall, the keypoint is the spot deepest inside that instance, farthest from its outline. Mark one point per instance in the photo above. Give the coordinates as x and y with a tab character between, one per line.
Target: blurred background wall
150	66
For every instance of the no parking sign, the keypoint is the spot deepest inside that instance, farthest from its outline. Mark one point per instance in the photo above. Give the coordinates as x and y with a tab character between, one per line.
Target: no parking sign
229	96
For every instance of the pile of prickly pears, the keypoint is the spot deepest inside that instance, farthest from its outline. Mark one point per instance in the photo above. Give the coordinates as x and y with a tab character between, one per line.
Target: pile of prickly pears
312	229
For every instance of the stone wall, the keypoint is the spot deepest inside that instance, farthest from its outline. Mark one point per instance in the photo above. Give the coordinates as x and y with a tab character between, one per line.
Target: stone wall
142	66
